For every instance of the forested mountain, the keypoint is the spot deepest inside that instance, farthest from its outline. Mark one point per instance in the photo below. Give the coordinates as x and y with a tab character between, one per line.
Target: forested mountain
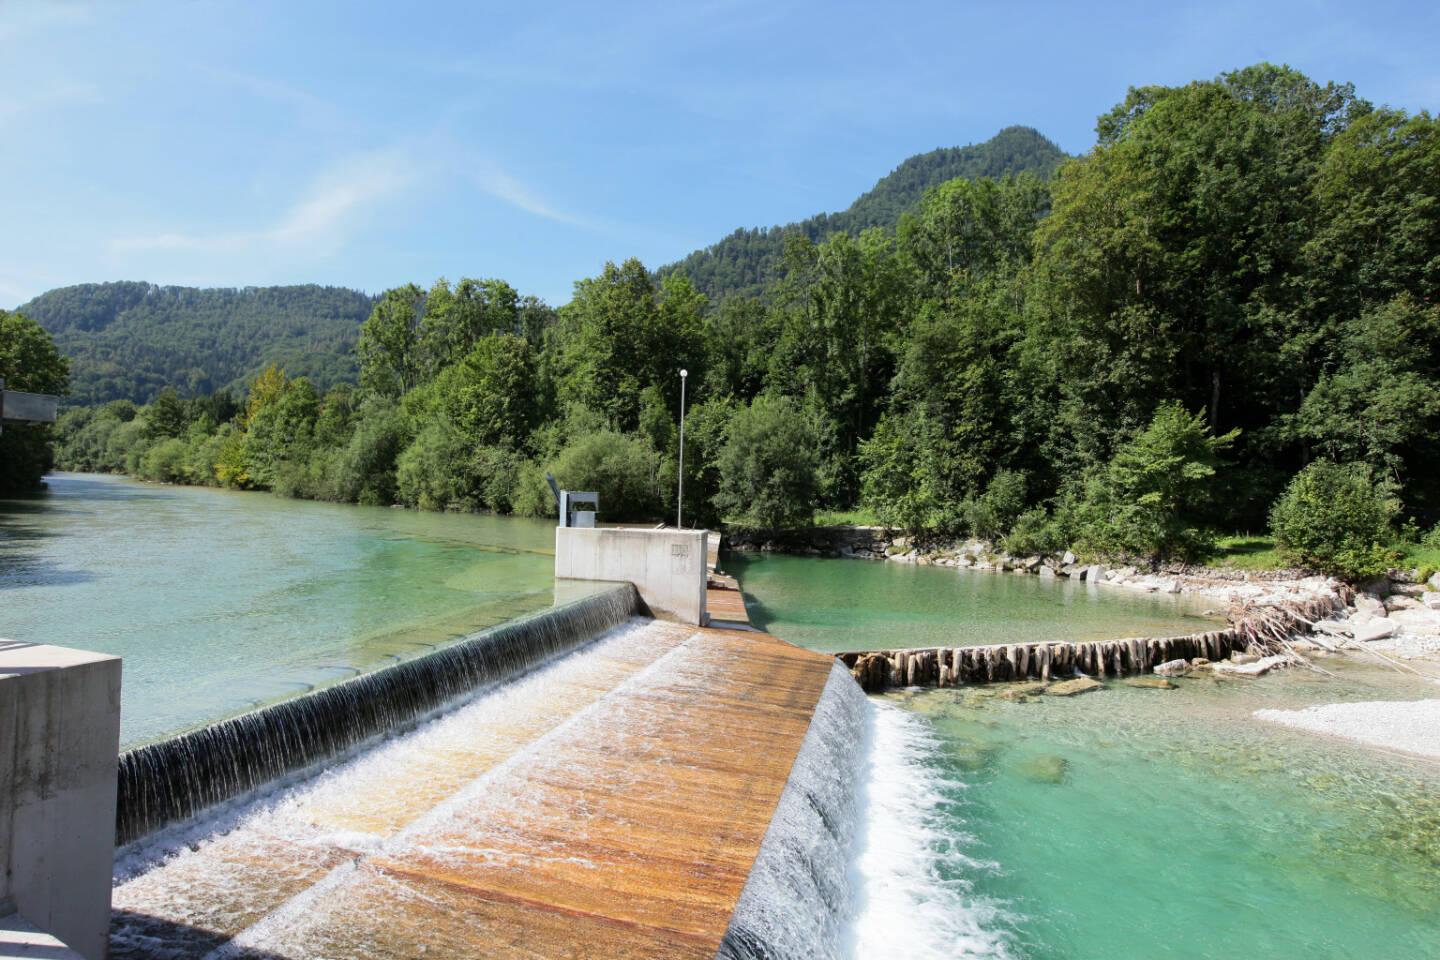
130	340
745	262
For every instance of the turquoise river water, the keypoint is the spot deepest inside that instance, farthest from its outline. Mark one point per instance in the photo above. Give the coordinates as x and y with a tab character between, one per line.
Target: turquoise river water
1125	823
219	600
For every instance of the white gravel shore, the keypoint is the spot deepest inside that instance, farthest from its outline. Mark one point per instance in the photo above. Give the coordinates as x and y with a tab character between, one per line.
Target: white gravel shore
1412	726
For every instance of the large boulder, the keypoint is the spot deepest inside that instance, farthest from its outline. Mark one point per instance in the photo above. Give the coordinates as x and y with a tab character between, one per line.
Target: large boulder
1377	629
1068	688
1371	605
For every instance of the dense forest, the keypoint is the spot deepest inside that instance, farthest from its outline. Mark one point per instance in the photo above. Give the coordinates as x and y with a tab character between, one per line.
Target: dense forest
1222	317
747	262
131	340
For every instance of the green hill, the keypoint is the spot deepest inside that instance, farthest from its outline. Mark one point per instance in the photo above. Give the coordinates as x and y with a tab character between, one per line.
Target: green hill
130	340
744	262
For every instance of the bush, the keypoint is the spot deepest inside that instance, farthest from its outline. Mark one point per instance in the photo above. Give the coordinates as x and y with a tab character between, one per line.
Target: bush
1149	497
768	466
438	470
166	462
1333	517
621	467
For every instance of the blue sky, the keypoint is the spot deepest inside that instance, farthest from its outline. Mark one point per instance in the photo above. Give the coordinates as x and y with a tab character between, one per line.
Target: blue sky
367	144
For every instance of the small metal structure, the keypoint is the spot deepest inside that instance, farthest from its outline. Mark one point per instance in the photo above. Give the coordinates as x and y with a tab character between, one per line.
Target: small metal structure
19	407
577	508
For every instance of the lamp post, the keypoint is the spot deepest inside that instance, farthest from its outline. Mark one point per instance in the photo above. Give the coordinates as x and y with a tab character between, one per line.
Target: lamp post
680	494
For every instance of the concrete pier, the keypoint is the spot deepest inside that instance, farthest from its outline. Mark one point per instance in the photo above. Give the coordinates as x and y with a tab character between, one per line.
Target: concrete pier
59	738
667	566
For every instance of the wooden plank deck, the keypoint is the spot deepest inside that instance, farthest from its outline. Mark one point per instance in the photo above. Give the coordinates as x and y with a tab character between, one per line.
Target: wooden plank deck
615	810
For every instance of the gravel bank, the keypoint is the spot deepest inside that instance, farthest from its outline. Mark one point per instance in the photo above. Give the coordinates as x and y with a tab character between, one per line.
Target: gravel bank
1413	726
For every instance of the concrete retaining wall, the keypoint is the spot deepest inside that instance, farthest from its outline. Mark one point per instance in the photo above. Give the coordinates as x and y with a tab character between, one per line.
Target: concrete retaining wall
666	566
59	740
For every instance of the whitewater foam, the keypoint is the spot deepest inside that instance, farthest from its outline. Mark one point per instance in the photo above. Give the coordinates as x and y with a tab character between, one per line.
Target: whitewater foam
909	863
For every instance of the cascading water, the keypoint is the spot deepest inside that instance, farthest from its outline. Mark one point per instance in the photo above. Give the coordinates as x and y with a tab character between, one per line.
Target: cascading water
174	779
797	895
856	863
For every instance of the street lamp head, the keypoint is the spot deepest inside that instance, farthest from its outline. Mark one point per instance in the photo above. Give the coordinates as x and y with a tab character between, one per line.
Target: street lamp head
682	374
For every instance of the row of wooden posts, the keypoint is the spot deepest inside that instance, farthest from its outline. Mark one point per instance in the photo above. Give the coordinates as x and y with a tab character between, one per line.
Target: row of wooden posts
945	667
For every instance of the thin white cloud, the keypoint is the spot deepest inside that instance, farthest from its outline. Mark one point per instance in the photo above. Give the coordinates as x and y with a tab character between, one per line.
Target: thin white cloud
502	186
319	221
19	18
42	100
274	90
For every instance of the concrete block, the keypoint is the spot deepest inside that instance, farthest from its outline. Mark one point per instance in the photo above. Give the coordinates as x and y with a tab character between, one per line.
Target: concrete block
666	566
59	743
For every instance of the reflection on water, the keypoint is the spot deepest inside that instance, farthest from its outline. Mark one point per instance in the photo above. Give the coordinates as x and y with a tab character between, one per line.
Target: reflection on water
841	605
220	600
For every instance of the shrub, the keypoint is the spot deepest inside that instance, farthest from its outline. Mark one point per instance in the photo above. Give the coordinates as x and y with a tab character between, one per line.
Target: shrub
1148	499
1333	517
768	466
621	467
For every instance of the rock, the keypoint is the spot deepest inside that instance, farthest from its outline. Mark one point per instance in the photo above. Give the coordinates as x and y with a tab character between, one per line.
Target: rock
1257	668
1430	598
1199	663
1048	574
1093	573
1400	602
1173	586
1042	769
1238	657
1031	563
1068	688
1370	605
1377	629
1156	683
1069	560
1434	582
1172	668
1021	692
1334	628
1070	569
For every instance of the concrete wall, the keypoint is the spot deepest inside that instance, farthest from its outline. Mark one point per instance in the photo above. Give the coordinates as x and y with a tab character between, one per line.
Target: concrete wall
59	742
666	566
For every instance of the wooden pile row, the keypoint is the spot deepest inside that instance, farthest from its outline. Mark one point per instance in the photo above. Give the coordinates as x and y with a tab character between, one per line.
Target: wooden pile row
947	667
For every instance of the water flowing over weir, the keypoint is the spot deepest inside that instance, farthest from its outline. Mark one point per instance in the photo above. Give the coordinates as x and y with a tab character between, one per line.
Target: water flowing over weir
798	893
175	779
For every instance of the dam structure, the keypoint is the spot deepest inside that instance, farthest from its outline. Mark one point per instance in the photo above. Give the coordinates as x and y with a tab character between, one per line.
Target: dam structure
590	781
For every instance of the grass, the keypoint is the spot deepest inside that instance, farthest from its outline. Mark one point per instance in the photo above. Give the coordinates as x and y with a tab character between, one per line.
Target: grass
1245	553
858	517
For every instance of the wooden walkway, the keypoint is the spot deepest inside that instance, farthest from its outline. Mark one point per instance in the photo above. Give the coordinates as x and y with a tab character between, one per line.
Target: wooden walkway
612	808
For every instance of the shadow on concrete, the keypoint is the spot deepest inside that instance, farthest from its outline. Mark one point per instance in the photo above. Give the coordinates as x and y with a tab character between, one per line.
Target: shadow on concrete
139	936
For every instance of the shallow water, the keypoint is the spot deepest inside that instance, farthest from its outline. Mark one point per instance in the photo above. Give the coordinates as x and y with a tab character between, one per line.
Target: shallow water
842	605
219	600
1126	822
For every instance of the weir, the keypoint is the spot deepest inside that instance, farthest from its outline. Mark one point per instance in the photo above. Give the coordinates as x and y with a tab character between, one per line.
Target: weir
176	778
669	790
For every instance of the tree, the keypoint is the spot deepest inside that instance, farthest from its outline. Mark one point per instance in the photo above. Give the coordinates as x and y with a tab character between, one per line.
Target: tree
390	362
768	465
29	361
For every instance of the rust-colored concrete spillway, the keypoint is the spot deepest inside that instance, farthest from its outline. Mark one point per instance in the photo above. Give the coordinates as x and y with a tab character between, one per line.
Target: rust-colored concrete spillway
611	804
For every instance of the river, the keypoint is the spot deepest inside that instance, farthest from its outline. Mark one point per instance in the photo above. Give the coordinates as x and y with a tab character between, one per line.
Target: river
1122	823
220	600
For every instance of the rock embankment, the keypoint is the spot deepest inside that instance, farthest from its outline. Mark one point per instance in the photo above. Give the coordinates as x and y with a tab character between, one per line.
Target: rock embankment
1396	619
